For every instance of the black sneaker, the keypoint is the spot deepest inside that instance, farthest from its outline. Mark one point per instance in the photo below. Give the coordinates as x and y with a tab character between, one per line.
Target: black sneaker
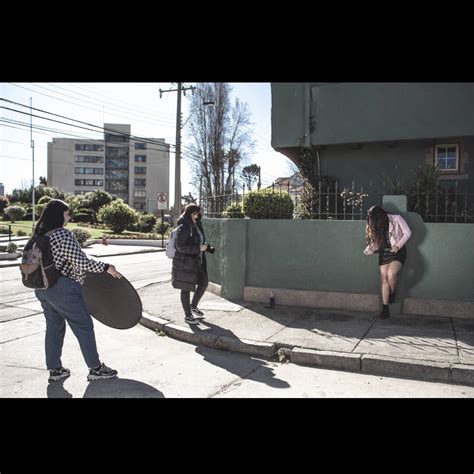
58	374
384	314
197	313
102	372
190	320
391	298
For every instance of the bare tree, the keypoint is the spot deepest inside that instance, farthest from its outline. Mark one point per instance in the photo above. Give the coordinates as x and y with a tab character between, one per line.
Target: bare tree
221	138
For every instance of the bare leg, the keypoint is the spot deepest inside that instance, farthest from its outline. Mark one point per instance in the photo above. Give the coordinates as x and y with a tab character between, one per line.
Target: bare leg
392	275
385	284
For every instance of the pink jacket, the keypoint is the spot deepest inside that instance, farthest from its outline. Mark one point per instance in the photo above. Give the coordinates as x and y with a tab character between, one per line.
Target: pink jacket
398	231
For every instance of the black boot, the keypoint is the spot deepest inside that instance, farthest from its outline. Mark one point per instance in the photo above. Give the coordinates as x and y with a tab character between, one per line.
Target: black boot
385	313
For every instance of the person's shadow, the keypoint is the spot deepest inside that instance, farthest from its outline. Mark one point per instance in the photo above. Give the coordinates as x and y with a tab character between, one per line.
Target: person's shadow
121	388
415	268
244	366
57	390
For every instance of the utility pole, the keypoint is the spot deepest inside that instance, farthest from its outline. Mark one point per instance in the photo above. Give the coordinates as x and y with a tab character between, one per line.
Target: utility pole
32	144
177	167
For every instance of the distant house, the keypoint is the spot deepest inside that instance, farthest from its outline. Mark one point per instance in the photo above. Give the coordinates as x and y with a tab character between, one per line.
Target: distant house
292	184
372	132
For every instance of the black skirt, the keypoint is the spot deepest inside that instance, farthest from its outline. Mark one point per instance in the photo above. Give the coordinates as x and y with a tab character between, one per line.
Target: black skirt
386	256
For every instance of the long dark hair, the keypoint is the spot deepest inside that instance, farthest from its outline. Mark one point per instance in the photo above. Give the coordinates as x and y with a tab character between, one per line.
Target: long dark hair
190	208
377	226
52	216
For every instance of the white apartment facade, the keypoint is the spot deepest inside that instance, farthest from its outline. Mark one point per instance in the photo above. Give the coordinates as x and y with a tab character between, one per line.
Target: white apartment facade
134	169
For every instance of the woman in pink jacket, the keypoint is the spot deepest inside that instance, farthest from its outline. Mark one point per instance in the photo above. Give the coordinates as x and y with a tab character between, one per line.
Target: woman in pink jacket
387	234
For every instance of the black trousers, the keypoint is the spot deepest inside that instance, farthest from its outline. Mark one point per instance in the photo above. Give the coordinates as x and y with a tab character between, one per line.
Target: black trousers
203	281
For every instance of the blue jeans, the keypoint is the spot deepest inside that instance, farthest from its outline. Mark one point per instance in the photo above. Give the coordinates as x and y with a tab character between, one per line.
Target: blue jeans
62	302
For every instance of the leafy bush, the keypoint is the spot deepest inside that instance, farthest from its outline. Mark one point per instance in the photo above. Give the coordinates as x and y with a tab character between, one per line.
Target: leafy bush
268	204
146	222
117	216
4	202
12	247
96	199
162	227
4	230
233	211
14	213
21	233
81	235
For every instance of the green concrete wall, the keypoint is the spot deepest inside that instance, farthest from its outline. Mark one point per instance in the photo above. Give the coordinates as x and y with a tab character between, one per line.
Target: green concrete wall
369	112
366	112
327	256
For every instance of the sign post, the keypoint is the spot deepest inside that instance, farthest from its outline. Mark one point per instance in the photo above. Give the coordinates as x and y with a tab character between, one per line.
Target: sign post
162	204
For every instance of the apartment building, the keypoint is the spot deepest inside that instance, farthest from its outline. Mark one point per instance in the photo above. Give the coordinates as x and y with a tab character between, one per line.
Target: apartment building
135	169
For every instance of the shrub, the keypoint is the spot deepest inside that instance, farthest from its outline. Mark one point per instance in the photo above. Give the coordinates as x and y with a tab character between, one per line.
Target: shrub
4	230
12	247
14	213
146	222
21	233
234	211
268	204
117	216
4	202
162	227
81	235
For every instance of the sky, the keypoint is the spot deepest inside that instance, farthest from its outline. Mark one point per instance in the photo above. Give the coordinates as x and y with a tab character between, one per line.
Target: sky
138	104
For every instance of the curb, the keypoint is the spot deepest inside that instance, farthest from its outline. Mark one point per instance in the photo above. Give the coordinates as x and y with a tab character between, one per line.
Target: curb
181	333
430	371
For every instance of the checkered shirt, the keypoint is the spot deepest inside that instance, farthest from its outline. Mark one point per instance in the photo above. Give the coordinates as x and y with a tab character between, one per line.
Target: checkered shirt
70	258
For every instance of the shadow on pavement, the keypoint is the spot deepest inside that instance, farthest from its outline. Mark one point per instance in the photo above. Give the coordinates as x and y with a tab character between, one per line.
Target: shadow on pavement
121	388
244	366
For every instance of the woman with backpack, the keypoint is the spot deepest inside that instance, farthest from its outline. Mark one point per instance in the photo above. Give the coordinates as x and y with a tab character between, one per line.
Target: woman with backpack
63	301
189	270
387	234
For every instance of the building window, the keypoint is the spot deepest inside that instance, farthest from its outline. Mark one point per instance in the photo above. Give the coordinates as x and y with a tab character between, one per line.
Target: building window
140	146
140	182
140	158
89	170
139	193
139	206
447	157
89	182
114	138
88	147
88	159
140	169
116	152
116	174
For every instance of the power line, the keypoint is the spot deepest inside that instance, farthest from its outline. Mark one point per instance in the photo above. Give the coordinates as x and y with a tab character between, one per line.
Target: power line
77	105
111	107
116	132
118	100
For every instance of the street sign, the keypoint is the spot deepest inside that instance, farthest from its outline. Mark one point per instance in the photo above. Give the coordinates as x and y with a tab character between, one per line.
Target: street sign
162	200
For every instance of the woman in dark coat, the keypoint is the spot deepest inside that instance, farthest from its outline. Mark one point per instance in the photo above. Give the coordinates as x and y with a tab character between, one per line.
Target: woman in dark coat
189	262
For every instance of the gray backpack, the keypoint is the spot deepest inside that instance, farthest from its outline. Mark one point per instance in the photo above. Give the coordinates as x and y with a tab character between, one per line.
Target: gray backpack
37	264
171	245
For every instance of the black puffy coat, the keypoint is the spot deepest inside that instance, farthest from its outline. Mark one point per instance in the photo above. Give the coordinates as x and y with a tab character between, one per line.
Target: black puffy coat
186	260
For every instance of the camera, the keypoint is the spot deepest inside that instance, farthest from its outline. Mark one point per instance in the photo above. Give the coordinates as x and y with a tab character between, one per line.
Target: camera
210	249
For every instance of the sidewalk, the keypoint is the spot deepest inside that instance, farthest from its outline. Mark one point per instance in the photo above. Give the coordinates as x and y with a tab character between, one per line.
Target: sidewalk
418	347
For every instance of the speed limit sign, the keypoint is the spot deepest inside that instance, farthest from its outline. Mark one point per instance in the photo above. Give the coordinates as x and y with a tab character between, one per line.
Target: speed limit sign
162	200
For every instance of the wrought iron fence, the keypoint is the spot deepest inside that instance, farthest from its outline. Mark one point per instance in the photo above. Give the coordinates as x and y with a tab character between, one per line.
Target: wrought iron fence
445	203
